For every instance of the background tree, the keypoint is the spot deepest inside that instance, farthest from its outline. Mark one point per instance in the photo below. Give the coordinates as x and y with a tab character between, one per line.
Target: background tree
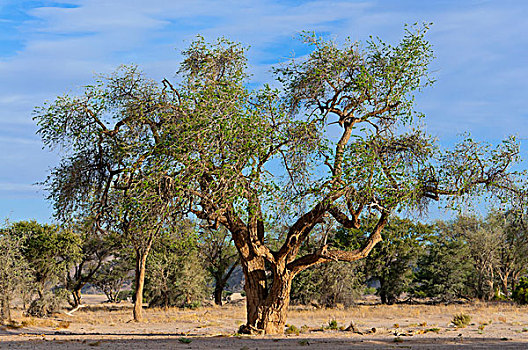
512	255
444	271
15	273
333	283
110	131
393	261
114	273
50	252
220	257
482	240
95	249
329	285
176	276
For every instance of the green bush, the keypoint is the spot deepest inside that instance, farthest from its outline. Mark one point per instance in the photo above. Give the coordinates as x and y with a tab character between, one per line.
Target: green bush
123	295
520	293
46	306
461	320
332	324
291	329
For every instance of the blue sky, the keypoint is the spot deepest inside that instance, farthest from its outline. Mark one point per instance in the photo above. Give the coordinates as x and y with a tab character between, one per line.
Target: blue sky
48	48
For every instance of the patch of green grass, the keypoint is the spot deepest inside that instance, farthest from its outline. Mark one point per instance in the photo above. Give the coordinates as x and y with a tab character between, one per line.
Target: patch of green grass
434	330
184	340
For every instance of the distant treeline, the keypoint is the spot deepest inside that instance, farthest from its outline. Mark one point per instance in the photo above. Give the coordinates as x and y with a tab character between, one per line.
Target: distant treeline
466	258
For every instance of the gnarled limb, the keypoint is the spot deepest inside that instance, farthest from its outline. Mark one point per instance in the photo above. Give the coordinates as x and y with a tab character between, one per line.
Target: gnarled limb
325	254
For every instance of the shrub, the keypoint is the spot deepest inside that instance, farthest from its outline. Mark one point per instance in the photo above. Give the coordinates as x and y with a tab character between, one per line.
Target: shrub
332	324
44	307
520	293
291	329
329	285
461	320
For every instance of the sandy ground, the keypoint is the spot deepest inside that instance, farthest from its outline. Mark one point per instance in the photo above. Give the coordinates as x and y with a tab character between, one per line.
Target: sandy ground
104	326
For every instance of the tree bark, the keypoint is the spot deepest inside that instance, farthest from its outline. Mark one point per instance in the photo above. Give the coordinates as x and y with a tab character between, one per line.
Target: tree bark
5	310
219	288
141	260
267	310
77	297
255	288
504	278
273	312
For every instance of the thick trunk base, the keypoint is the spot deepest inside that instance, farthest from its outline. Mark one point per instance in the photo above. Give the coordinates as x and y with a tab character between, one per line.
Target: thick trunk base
268	315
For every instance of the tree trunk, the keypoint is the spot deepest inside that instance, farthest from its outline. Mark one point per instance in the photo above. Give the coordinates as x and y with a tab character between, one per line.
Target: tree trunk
5	311
77	297
266	310
141	260
383	297
219	288
255	288
504	284
491	286
515	279
272	314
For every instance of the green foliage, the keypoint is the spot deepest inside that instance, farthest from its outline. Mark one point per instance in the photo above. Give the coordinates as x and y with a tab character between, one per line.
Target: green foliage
185	340
112	274
512	250
461	320
292	330
50	251
444	271
332	324
482	238
15	273
48	304
370	291
175	275
328	285
520	293
393	260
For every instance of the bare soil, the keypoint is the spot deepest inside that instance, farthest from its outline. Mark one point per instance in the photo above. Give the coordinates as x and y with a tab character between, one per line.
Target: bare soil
110	326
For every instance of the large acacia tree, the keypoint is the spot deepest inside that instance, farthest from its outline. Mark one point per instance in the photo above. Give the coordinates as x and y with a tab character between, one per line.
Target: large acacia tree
277	168
337	142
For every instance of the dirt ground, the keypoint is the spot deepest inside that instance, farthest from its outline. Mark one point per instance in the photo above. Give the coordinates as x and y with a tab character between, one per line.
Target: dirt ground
105	326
